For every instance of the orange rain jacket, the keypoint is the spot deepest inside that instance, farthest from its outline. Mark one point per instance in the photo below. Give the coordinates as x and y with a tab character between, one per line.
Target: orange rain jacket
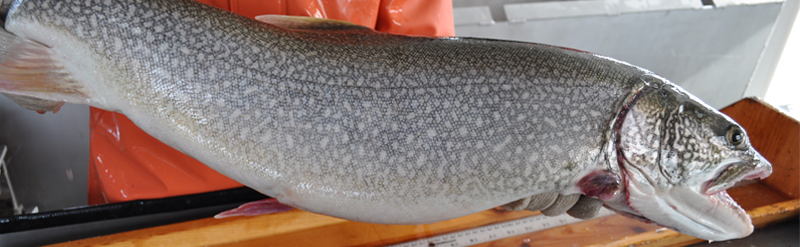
128	164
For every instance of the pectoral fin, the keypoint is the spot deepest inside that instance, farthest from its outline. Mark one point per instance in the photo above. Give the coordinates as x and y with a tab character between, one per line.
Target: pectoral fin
35	104
266	206
310	23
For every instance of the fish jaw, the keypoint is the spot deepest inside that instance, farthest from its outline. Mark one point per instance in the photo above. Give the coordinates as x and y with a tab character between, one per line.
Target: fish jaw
687	209
735	170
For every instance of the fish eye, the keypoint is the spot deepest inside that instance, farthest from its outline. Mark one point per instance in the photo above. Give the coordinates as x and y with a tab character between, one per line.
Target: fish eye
735	136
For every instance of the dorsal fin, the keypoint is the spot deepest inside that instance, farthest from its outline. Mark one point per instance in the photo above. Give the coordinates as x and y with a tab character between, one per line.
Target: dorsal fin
309	23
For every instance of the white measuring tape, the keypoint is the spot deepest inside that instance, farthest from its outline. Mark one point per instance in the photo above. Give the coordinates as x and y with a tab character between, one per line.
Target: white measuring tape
498	231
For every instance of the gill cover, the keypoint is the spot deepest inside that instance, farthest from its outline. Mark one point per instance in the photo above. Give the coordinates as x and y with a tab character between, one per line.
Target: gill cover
677	156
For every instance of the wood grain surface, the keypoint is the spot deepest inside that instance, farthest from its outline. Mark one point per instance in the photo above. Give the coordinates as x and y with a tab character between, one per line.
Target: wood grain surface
762	216
776	136
300	228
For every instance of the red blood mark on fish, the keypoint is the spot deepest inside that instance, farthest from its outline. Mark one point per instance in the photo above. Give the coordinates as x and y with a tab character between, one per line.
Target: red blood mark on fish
600	184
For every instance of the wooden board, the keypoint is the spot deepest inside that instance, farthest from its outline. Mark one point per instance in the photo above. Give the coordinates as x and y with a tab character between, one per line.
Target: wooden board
776	136
772	200
759	200
300	228
293	228
761	216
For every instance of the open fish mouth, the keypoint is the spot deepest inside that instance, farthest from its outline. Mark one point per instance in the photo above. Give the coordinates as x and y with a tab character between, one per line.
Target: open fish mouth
737	171
704	210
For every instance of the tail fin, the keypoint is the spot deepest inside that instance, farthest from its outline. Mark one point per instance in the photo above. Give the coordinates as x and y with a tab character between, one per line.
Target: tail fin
29	70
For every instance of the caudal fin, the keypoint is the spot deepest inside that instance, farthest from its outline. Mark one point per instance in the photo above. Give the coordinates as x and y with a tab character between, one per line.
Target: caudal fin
31	72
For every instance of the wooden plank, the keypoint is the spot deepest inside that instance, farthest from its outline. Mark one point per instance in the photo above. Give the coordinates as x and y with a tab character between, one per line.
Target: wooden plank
618	229
756	195
768	201
610	228
299	228
777	137
761	216
291	228
212	231
365	234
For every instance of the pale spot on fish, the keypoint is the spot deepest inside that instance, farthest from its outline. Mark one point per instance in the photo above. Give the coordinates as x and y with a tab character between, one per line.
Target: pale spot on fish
289	141
431	132
189	73
163	47
410	139
235	114
573	113
550	121
499	147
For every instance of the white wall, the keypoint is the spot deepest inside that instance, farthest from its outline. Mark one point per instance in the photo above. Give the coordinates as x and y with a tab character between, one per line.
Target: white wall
710	51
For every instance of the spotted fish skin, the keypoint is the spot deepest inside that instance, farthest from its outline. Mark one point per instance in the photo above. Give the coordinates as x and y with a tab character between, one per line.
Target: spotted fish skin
355	124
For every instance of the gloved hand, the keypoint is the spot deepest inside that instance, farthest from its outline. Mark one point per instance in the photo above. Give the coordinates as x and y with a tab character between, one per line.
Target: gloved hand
553	204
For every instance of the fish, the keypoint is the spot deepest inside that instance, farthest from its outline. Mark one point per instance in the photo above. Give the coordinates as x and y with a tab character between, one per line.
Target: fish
338	119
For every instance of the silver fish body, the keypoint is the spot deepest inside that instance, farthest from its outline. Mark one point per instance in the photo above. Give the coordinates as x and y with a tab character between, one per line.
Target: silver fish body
350	123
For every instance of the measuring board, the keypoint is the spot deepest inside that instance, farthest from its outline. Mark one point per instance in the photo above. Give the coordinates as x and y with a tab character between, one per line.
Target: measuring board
498	231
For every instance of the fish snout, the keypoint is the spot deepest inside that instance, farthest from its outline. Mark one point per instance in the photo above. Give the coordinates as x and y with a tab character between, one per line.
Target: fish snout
762	168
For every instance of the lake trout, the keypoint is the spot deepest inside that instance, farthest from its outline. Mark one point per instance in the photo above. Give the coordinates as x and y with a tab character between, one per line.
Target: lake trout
337	119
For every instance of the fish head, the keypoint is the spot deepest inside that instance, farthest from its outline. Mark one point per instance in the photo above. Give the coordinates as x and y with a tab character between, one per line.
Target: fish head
677	156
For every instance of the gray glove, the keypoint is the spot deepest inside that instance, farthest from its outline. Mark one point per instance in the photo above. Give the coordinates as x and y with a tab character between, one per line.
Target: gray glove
553	204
